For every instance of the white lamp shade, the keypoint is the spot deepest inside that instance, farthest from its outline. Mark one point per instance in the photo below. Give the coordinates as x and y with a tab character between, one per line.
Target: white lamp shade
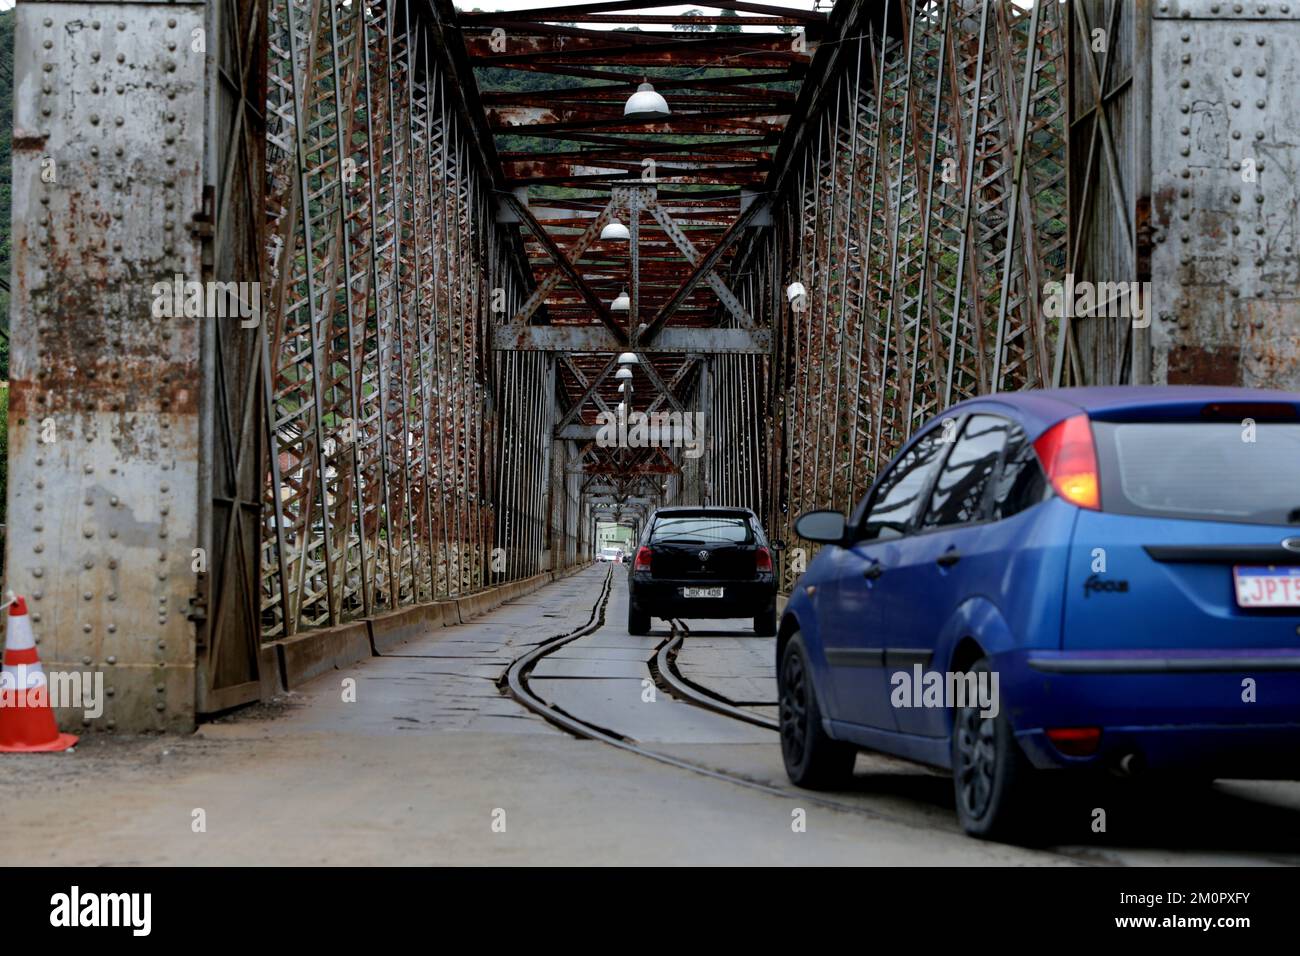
615	230
628	358
623	373
646	102
794	290
621	304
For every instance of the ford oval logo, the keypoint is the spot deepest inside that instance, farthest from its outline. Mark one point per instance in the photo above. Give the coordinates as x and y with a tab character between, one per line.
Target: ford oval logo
704	555
1291	544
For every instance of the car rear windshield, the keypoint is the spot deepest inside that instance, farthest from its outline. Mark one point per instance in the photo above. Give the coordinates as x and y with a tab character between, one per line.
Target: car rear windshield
704	528
1217	471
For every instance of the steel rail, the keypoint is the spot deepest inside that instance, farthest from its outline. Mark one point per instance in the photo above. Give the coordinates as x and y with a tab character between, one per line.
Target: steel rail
688	690
515	680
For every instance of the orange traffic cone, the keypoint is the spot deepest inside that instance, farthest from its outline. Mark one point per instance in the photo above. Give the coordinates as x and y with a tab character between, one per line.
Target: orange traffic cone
26	720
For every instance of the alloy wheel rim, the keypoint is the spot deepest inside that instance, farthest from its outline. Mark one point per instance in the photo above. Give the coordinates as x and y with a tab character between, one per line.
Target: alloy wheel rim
977	761
794	710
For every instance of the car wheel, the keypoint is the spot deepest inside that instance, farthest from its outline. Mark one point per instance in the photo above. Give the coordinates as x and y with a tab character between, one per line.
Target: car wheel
765	622
812	758
637	622
991	775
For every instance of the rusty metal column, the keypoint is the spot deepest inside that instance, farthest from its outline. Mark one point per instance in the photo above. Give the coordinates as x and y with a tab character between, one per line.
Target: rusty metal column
105	495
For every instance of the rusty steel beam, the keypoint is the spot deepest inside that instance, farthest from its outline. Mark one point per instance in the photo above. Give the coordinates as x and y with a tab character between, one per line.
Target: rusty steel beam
557	256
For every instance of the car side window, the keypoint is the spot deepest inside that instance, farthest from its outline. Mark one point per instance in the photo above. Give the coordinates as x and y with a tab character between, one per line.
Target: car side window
1021	483
959	492
899	492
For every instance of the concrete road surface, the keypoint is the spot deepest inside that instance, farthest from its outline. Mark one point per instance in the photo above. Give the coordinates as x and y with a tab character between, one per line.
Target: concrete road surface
431	764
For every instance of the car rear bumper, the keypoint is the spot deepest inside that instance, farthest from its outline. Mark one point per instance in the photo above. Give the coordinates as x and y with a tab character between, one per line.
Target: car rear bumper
663	598
1217	712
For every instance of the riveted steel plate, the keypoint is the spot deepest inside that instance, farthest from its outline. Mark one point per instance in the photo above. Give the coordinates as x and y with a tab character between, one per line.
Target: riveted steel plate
107	174
1225	143
1219	10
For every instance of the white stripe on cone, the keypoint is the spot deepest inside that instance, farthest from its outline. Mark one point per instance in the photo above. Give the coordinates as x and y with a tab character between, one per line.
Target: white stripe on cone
18	636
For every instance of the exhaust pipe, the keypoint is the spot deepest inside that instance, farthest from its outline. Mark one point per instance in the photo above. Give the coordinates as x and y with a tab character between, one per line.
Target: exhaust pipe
1131	764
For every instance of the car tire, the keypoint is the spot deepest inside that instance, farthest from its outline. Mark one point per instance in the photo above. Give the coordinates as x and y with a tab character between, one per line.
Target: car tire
992	778
812	758
638	623
765	622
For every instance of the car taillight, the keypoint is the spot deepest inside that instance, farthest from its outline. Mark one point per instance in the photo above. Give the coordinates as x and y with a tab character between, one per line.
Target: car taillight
1075	741
1070	461
763	559
642	559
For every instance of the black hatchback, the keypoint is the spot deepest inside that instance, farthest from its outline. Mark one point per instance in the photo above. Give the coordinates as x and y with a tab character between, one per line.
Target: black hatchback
703	563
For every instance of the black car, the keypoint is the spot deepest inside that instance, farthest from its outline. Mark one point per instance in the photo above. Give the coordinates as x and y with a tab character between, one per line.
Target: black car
702	562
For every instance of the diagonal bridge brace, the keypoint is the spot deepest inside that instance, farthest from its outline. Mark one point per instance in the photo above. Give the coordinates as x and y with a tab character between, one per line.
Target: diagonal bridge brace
704	268
566	267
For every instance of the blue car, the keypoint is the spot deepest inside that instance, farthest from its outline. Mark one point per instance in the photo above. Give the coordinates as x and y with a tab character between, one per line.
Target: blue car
1079	579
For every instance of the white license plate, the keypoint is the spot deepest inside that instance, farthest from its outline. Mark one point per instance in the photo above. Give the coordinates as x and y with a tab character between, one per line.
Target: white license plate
1267	587
702	592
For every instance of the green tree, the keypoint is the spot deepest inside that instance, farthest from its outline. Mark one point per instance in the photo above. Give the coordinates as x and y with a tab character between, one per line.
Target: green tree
694	27
729	27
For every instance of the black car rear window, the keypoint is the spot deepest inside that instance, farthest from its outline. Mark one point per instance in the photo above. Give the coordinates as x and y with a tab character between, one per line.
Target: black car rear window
711	528
1217	471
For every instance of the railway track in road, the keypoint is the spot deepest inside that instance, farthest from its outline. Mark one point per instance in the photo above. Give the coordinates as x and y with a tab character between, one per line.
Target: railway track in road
683	687
515	681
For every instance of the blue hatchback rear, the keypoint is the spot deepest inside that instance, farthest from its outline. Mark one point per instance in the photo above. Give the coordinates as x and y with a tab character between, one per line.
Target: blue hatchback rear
1120	567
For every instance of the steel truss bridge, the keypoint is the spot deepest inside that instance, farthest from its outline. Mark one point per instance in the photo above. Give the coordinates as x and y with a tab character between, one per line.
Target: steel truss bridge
847	221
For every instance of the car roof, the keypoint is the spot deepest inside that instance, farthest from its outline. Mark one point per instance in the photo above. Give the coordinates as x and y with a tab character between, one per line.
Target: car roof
696	511
1040	409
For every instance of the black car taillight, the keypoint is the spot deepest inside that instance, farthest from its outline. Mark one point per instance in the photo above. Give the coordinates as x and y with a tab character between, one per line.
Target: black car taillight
643	555
763	559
